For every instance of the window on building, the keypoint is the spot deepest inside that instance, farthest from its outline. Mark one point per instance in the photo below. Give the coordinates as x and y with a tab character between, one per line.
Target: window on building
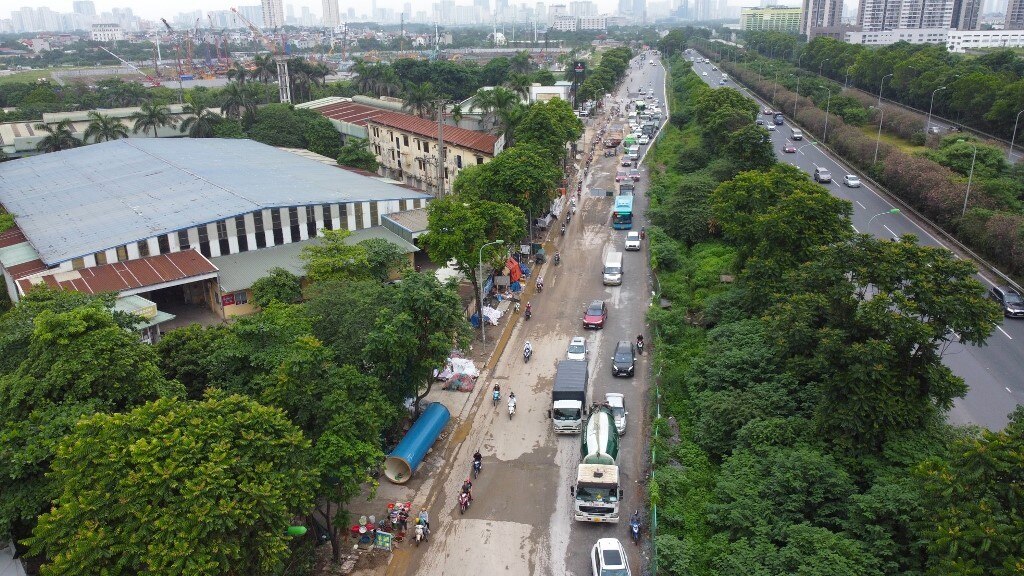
376	132
242	297
328	221
222	237
376	149
343	216
374	214
359	215
258	226
405	139
458	160
310	221
164	244
183	240
143	248
479	160
243	240
426	147
122	253
101	258
204	241
77	263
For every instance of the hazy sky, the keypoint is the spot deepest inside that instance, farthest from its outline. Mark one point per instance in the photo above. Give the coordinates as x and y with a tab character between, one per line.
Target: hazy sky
155	9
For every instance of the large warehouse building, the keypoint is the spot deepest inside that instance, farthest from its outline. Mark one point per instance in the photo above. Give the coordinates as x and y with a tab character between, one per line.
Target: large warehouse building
152	217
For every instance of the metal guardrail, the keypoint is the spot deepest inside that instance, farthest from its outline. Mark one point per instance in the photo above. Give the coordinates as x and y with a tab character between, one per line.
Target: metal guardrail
921	220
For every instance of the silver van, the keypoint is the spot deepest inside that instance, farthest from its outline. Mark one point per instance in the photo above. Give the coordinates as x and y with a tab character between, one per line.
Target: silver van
797	134
633	152
612	272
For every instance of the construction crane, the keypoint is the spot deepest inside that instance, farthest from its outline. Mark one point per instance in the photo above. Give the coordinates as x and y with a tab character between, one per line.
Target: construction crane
283	78
152	81
177	59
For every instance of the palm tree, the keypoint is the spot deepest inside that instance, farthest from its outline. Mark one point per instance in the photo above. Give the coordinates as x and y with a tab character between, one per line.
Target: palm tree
239	73
151	117
419	98
202	120
264	67
104	128
457	113
58	137
520	84
235	98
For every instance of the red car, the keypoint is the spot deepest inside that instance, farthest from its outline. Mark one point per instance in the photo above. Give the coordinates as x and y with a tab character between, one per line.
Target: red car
789	149
596	314
620	175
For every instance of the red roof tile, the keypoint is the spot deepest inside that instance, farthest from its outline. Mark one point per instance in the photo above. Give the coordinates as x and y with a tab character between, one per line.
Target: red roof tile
27	268
11	237
128	275
480	141
349	112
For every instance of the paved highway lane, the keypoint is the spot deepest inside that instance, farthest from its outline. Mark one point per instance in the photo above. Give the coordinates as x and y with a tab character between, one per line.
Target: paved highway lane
993	371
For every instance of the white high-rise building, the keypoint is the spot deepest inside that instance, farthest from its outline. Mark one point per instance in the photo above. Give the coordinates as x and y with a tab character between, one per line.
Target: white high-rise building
582	8
821	14
332	16
273	13
1015	15
84	7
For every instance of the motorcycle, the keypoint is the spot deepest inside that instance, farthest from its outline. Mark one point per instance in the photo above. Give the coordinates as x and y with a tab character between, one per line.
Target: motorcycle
558	258
421	533
540	281
568	217
478	465
511	408
463	502
527	352
640	346
516	307
528	313
563	229
634	527
496	395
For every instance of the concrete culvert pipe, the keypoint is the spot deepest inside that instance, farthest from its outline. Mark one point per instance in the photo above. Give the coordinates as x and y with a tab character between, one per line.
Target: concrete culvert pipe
407	456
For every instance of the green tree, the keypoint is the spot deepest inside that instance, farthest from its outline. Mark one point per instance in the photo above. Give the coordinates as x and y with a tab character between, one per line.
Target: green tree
79	362
356	154
344	413
239	73
457	228
417	335
974	521
58	137
521	176
152	117
750	147
177	487
102	127
334	258
550	126
343	314
419	98
384	259
202	121
279	284
187	354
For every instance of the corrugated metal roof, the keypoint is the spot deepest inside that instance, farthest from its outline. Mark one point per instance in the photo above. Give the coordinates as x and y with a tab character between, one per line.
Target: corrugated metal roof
480	141
348	111
240	271
81	201
131	275
412	220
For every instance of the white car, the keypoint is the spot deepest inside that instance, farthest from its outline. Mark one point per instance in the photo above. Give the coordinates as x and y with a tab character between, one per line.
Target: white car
771	127
632	241
704	73
577	349
618	403
608	558
851	181
643	139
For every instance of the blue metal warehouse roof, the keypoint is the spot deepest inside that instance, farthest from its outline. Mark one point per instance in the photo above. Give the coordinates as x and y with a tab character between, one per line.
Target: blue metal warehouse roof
96	197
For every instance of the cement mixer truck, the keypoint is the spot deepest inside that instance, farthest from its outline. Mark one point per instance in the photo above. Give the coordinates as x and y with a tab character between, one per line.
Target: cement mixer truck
597	493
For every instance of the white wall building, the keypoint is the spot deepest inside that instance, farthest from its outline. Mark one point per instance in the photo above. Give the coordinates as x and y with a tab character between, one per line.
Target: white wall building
955	40
564	23
107	32
593	23
273	13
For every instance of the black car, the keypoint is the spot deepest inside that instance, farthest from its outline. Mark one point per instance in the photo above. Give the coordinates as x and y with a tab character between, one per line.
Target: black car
624	360
1009	299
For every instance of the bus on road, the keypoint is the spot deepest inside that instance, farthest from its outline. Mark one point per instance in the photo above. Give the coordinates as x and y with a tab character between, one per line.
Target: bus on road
622	215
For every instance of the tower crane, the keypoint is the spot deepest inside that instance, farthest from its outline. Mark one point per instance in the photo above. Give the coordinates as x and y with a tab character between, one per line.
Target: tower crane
283	79
177	58
152	81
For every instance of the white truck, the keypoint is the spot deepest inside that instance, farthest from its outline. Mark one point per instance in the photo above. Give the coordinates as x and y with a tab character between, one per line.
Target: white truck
569	396
596	494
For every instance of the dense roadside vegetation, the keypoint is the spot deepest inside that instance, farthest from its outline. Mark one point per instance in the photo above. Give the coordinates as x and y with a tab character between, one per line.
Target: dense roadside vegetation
803	394
933	179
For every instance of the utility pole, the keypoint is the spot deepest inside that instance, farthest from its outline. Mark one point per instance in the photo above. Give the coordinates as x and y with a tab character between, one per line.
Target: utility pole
440	148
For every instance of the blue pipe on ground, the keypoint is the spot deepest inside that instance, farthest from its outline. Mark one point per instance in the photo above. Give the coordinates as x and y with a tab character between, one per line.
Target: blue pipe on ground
407	456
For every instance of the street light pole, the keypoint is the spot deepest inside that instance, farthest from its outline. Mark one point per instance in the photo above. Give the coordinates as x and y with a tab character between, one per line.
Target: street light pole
879	136
483	321
828	103
930	104
970	177
1013	137
822	64
846	82
776	88
880	86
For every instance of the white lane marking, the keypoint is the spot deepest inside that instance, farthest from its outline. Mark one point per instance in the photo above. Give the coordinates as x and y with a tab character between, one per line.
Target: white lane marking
854	228
894	235
983	277
1000	328
1007	389
858	204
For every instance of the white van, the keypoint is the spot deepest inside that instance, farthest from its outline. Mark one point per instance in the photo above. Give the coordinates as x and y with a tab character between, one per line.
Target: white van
797	134
612	274
633	152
